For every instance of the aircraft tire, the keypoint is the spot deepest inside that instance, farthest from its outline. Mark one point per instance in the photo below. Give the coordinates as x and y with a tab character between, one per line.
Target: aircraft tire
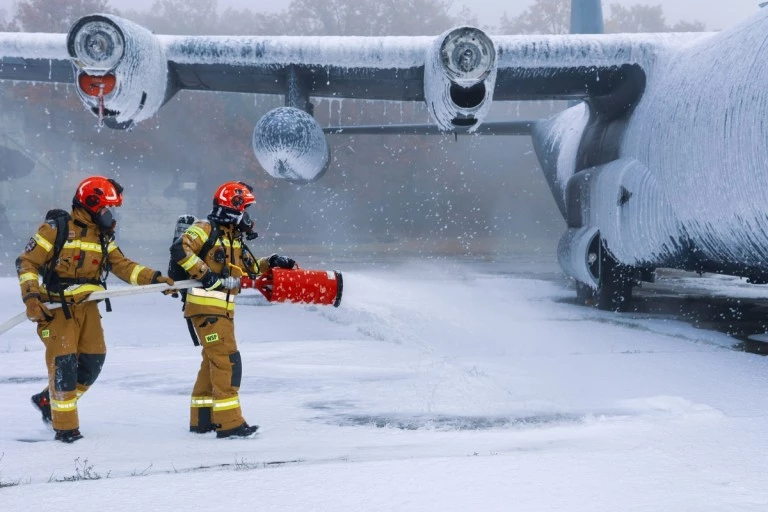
616	283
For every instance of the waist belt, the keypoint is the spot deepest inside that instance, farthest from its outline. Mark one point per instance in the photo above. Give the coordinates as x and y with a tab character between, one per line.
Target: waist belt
69	282
68	287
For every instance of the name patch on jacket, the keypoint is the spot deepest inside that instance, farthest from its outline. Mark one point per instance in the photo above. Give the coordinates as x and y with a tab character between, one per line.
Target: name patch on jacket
210	338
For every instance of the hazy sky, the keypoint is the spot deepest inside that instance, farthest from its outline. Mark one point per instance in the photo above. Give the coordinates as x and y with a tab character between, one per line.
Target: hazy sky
715	15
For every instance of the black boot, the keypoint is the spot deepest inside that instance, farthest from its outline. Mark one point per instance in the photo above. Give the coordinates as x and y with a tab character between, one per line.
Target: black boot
211	427
68	436
42	402
243	430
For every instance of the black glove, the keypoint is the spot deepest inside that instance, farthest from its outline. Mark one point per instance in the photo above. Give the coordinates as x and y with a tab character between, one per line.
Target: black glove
211	280
276	261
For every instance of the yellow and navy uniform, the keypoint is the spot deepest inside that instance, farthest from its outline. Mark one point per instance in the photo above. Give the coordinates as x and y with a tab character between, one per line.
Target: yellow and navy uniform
226	255
74	347
215	399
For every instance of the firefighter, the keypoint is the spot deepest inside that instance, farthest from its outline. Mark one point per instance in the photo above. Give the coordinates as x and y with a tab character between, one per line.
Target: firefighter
212	251
72	266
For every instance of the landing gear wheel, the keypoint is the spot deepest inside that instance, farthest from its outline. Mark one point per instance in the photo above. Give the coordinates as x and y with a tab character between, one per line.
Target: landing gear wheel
585	295
616	283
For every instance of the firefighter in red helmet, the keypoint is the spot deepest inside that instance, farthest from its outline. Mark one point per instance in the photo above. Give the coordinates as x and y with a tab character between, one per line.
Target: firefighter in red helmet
213	251
73	254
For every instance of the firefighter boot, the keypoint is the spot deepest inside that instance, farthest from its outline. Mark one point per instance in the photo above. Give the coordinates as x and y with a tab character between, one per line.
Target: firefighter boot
243	430
68	436
42	402
211	427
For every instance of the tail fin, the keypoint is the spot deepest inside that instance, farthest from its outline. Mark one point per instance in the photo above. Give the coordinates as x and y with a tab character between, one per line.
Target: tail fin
586	17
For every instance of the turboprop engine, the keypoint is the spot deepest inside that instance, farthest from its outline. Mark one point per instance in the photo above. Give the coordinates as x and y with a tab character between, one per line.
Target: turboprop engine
122	72
290	145
459	78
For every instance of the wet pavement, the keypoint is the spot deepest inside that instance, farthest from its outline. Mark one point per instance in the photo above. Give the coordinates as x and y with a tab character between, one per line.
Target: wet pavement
719	303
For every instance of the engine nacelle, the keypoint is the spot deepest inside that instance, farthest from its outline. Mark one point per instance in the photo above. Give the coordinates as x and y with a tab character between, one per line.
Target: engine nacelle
290	145
459	78
121	69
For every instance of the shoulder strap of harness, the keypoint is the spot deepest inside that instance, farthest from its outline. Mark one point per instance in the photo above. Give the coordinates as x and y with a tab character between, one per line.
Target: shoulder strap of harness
58	219
104	265
212	237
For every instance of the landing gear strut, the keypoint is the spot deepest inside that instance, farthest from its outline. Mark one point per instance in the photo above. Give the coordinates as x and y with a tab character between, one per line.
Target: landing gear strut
615	281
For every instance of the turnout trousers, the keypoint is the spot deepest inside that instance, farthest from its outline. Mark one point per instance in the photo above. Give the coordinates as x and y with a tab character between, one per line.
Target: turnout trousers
215	400
74	354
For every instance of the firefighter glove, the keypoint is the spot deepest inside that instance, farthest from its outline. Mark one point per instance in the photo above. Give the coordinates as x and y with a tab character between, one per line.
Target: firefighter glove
211	280
276	261
37	311
159	278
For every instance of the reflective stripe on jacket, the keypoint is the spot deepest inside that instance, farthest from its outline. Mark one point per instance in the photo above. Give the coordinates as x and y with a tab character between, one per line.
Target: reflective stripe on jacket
225	254
80	262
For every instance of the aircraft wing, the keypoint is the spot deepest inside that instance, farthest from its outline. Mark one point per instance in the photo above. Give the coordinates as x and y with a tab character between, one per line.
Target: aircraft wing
124	74
382	68
378	68
393	68
35	58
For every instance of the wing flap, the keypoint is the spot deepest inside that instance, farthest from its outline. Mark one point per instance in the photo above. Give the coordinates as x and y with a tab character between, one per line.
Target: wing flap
489	128
329	81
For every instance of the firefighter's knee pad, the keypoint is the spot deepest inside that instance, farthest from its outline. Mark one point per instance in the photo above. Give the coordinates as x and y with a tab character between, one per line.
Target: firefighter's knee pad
237	368
89	367
66	373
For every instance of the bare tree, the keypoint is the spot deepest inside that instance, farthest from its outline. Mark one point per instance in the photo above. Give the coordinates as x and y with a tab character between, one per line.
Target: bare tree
645	18
543	17
553	17
179	16
370	17
55	15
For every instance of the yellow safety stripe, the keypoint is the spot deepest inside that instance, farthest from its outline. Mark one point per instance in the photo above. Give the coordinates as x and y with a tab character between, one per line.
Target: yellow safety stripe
111	247
211	298
197	232
64	405
225	243
42	242
28	276
188	263
208	301
78	289
202	401
226	404
135	274
83	246
84	288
